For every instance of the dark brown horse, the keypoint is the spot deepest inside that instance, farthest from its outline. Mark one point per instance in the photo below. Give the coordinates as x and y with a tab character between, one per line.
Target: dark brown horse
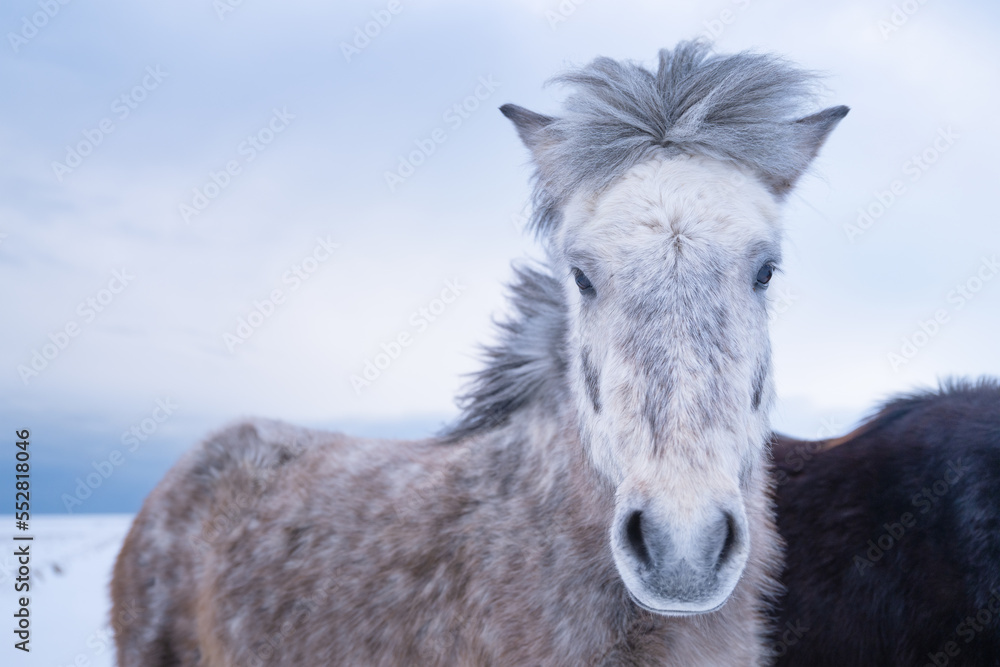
893	536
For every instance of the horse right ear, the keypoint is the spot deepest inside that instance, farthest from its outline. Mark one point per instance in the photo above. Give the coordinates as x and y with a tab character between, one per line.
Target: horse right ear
809	133
528	123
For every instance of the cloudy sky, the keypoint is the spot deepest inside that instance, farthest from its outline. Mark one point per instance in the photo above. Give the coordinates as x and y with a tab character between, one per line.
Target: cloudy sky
196	221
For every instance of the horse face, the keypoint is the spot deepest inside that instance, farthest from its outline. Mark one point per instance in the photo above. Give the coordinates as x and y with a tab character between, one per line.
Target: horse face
666	274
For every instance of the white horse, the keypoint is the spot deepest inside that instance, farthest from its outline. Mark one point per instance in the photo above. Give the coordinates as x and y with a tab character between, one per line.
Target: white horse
603	498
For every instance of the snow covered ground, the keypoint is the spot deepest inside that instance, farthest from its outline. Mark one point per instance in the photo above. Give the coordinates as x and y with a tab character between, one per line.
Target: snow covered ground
71	561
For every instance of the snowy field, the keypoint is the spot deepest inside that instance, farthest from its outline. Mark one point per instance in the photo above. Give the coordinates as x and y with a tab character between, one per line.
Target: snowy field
71	561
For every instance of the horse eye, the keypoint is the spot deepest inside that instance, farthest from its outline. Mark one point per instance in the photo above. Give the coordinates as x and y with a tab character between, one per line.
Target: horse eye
764	276
583	282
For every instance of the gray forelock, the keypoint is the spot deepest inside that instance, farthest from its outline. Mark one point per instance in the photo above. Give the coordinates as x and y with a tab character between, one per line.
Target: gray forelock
736	108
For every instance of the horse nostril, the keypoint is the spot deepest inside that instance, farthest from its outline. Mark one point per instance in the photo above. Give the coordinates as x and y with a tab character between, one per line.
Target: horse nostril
633	531
730	542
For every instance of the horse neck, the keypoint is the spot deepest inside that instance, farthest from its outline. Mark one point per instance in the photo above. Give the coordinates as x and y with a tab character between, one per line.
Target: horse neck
536	459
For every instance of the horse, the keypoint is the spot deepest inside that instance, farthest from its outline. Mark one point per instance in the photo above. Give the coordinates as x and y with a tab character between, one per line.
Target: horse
603	498
893	536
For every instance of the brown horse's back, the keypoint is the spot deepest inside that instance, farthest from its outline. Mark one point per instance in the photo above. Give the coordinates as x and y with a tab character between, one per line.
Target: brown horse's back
157	583
278	546
274	545
893	536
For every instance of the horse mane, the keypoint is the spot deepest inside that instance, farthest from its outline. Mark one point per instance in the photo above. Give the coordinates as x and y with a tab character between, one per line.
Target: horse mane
966	395
981	392
528	363
736	108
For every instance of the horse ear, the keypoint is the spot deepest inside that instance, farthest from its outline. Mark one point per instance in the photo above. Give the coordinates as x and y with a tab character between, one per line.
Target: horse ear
528	123
809	134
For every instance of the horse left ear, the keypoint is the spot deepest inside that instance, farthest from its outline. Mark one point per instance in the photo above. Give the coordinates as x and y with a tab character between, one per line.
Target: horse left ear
809	134
528	123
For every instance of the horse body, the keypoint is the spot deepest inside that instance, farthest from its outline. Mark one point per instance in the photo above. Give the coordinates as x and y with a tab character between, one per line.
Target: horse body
604	497
893	536
274	545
